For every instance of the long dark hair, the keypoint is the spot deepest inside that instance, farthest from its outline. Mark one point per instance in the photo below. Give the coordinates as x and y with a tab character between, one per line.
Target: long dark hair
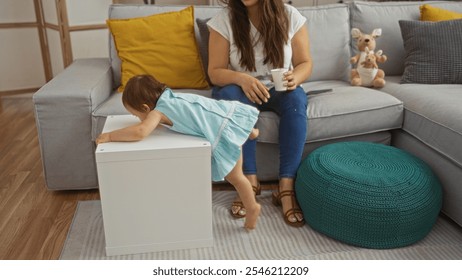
142	89
274	29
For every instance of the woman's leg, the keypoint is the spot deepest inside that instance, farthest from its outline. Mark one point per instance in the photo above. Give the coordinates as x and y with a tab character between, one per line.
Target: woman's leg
291	107
244	190
249	166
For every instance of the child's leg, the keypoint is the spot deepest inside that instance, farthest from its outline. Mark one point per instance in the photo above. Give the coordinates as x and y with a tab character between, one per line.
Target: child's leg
244	189
249	165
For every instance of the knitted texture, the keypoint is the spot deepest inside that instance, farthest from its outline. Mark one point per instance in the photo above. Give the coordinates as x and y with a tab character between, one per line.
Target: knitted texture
369	195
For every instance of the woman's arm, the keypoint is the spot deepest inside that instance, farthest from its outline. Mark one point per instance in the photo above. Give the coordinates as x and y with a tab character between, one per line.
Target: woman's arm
132	133
301	59
220	75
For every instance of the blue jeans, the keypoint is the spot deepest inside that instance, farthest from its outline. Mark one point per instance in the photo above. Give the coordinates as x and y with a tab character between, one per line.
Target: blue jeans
291	109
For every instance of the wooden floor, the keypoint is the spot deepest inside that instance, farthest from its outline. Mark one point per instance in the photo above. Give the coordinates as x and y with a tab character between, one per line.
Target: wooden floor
33	221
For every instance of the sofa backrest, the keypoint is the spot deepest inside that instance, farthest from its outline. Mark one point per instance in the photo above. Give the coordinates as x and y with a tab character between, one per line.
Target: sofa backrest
329	33
386	15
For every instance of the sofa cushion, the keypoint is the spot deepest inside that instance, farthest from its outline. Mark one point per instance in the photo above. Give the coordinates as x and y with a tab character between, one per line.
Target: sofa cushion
346	111
162	45
350	111
328	30
432	115
369	15
134	11
204	44
433	52
430	13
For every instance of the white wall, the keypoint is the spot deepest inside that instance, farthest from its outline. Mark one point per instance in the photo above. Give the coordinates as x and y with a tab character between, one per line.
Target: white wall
16	11
88	43
49	10
53	38
21	64
91	43
83	12
56	53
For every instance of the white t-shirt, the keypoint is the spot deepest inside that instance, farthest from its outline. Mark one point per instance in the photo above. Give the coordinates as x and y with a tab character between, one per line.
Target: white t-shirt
221	23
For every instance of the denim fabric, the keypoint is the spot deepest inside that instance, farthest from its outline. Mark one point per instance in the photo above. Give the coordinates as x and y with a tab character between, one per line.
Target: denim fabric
291	109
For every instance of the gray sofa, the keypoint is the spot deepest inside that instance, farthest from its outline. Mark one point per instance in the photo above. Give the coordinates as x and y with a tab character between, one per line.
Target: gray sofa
423	119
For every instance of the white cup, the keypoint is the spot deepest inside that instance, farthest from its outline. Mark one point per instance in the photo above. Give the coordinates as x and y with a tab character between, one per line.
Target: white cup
278	78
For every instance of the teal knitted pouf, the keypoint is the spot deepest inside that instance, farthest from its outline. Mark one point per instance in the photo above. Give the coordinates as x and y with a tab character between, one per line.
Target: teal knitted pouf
369	195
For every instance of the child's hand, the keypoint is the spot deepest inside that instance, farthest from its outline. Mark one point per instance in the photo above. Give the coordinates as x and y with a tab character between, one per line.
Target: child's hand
103	138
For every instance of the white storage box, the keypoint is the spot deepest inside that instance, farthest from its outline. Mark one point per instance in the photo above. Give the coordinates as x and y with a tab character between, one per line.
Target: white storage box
155	193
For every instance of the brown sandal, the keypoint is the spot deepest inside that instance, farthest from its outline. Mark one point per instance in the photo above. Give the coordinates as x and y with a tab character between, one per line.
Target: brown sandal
257	190
294	210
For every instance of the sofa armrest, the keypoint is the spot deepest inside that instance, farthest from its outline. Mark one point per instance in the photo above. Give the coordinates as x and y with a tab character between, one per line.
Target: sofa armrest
63	112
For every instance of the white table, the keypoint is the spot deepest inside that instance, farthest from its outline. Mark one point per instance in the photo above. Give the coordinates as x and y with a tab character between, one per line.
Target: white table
155	193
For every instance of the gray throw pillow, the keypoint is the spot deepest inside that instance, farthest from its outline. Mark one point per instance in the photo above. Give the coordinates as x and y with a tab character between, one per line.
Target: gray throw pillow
204	44
433	52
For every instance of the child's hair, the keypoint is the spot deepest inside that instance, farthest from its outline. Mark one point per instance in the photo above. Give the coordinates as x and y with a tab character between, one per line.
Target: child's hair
142	89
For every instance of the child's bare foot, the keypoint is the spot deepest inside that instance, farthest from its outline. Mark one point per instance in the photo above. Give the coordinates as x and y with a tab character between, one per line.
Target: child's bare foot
252	216
254	133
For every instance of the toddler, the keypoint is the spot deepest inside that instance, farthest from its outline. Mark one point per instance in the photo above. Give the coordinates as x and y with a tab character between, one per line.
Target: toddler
225	124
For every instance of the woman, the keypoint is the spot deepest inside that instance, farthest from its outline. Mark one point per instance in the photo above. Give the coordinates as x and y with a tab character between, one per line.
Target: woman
247	40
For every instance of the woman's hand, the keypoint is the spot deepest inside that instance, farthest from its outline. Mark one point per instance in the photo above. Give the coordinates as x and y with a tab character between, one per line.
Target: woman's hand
103	138
254	90
220	75
289	80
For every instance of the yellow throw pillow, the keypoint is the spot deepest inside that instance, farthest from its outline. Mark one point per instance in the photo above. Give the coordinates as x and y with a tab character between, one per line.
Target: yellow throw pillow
430	13
162	45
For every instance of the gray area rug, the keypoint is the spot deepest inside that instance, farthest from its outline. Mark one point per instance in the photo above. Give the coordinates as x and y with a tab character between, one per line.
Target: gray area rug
272	239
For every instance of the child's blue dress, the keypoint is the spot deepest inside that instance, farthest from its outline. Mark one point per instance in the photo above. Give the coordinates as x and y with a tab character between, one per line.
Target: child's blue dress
225	124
